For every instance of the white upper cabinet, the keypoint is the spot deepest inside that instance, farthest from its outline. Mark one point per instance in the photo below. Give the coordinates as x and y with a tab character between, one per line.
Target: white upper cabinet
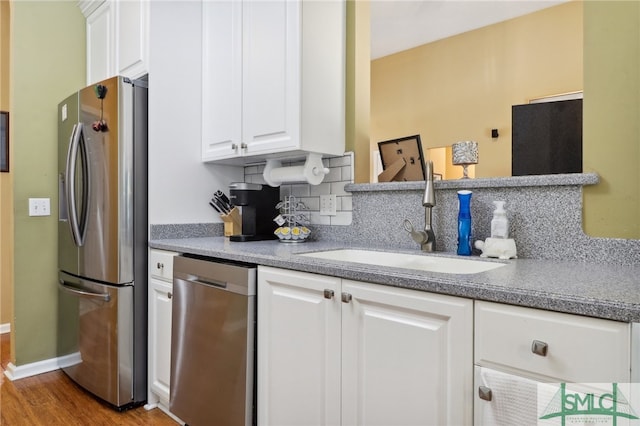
273	79
100	35
117	38
132	40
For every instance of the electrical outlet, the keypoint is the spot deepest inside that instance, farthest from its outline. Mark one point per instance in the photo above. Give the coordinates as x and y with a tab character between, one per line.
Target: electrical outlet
328	205
39	207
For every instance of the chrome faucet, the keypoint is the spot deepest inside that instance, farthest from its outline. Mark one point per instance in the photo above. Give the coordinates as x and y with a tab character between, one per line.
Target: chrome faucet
426	238
429	202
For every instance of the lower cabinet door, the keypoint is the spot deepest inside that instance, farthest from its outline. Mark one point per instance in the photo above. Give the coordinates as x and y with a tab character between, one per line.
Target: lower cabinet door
298	376
160	338
407	357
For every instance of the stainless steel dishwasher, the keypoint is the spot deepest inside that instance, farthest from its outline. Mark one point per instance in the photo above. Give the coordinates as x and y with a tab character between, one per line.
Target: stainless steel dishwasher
213	342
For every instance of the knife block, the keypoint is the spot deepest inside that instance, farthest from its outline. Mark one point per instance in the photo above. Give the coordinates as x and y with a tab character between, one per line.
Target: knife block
232	222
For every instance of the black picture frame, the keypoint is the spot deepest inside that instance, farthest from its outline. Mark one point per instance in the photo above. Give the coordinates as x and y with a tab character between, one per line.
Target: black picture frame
407	150
4	141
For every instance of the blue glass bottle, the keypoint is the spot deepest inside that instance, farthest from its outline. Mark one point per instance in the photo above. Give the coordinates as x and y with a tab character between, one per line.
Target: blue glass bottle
464	223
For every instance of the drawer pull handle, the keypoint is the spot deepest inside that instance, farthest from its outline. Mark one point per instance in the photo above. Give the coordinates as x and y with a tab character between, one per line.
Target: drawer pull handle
539	348
485	393
328	294
160	265
169	295
346	297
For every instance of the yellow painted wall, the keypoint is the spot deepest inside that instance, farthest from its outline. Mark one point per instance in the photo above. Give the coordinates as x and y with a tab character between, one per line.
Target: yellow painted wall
612	118
47	64
6	191
358	86
461	87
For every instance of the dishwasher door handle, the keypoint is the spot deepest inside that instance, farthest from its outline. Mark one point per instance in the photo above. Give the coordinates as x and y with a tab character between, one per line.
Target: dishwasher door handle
212	283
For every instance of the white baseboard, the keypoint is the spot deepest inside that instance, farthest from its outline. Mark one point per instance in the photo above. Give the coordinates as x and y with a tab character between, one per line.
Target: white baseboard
5	328
20	372
165	410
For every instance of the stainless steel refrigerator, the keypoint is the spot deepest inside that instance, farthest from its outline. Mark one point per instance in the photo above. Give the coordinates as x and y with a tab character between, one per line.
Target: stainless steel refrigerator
102	240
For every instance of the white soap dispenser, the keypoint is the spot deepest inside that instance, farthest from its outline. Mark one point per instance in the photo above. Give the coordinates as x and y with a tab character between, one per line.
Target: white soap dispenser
499	223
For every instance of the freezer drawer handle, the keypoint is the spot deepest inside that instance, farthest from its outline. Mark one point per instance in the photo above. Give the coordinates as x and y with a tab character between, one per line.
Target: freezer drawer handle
103	296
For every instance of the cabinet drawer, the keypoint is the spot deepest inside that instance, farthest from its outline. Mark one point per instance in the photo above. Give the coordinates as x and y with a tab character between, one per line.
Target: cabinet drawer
161	264
578	349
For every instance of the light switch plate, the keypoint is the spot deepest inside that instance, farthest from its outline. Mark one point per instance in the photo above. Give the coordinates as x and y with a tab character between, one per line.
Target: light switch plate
39	207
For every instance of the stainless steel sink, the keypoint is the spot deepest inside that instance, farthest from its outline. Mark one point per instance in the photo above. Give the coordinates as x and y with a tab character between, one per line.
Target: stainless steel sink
421	262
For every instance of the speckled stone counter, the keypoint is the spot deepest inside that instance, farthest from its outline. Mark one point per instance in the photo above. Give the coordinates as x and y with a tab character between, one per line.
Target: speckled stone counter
574	287
559	267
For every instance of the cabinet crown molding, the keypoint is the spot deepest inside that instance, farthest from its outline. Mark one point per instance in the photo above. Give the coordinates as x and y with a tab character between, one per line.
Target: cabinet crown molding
87	7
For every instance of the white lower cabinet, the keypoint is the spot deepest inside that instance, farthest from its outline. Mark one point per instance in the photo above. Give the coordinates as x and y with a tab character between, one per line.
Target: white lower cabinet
159	344
334	351
523	354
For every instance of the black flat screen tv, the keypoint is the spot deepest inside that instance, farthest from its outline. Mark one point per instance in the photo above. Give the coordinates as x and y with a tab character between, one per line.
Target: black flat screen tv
547	138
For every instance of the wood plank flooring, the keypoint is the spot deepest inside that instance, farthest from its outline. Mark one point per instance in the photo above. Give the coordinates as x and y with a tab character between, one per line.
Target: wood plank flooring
52	399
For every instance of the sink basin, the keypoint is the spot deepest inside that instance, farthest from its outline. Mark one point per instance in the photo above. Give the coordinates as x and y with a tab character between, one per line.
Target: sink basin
421	262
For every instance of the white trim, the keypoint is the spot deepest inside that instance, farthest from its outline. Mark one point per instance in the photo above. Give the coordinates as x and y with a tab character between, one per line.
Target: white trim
165	410
20	372
5	328
635	352
559	97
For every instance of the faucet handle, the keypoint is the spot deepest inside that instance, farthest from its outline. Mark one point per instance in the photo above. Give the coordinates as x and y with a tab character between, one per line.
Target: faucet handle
418	236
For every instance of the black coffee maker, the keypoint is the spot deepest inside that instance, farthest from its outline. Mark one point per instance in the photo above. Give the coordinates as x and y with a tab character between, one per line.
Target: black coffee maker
258	203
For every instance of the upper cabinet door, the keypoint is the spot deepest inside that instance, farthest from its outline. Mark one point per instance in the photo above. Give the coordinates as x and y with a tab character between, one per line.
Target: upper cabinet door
269	85
271	75
132	38
117	38
221	79
100	43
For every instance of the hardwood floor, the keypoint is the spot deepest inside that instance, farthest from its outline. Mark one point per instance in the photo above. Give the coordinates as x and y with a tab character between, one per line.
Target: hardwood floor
52	399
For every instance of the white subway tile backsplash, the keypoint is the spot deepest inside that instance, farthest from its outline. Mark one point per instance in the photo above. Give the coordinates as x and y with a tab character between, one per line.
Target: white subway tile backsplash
338	188
300	190
316	219
341	173
341	218
318	190
334	175
285	191
345	174
340	161
251	170
312	203
346	203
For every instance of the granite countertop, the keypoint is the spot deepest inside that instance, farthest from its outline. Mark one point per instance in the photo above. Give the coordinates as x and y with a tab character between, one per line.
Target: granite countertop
596	290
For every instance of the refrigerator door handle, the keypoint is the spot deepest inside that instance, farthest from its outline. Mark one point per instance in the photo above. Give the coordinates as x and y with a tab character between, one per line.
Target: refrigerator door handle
78	227
84	293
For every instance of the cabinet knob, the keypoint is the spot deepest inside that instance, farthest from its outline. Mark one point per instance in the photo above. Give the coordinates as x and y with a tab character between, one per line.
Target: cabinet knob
234	146
539	348
346	297
243	146
484	393
328	294
169	295
160	265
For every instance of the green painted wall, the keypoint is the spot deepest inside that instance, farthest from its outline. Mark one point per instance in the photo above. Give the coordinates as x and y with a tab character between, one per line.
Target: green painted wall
48	63
612	117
